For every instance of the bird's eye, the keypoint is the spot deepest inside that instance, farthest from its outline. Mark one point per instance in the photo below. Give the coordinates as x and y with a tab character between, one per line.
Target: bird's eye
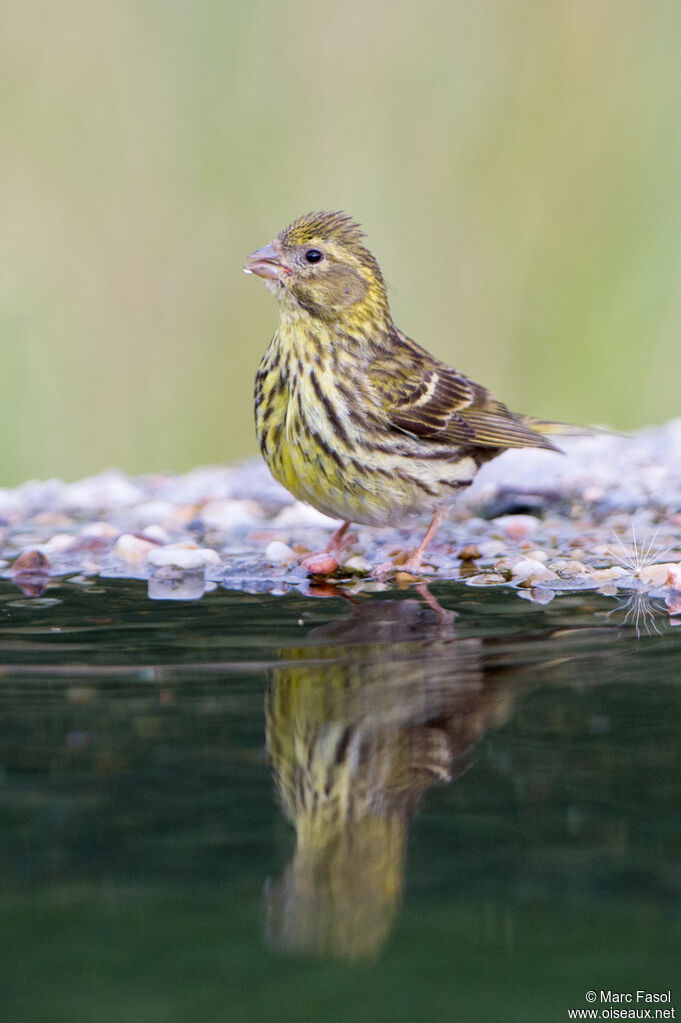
313	255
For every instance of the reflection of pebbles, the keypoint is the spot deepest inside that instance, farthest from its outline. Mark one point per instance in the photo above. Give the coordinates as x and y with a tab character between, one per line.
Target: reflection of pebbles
357	728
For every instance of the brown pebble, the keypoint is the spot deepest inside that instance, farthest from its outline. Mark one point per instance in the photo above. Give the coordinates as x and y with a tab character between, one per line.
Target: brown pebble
469	553
487	579
405	579
53	519
86	542
31	561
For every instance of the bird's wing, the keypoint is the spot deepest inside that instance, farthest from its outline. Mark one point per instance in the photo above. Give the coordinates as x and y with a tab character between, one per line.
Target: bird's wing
426	398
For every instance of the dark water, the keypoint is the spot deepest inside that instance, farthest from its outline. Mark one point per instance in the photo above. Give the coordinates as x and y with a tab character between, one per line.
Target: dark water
468	820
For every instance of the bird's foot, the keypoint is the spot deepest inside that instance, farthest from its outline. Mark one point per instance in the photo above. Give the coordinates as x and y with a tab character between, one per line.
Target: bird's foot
386	570
413	567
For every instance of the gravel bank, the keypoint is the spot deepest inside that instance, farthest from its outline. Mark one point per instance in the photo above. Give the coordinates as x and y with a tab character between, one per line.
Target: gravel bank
605	516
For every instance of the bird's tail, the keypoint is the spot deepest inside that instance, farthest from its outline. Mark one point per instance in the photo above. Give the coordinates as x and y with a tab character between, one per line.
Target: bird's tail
550	428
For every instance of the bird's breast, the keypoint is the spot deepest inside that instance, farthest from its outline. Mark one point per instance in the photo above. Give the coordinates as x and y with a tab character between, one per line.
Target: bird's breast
327	441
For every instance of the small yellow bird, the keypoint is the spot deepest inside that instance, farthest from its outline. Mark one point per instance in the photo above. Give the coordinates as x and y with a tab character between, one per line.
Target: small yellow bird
352	416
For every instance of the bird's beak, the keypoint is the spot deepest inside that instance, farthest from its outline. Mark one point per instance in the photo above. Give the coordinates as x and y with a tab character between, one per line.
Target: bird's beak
267	262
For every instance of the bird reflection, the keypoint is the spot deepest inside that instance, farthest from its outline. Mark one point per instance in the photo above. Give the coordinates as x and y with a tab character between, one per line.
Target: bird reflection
388	702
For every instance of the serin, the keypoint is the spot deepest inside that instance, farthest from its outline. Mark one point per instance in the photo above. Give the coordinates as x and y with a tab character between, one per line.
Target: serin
352	416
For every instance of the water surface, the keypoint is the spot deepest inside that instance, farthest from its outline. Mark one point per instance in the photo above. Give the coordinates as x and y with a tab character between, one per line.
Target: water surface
251	806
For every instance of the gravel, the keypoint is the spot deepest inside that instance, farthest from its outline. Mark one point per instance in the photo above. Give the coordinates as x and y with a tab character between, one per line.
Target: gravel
605	516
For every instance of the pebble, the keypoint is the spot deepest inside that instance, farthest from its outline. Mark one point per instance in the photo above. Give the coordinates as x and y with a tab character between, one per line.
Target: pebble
56	543
357	565
86	542
31	561
153	512
571	569
606	575
486	579
279	553
178	557
102	530
299	514
674	577
110	489
517	527
536	555
530	572
54	520
229	514
157	533
658	575
133	549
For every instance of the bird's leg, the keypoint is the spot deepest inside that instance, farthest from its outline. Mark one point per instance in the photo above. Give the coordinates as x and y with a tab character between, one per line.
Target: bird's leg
413	563
325	562
334	545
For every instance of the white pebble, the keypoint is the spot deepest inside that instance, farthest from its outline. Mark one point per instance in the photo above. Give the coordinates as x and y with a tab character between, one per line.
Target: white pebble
357	565
570	569
56	543
103	530
518	526
538	555
108	490
179	557
530	571
606	575
486	579
300	514
133	549
152	512
228	513
278	553
668	574
158	533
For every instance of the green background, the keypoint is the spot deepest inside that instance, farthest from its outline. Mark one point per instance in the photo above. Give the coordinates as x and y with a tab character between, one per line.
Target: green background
516	166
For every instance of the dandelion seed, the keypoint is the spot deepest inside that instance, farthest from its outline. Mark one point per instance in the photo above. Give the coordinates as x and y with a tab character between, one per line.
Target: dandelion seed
638	555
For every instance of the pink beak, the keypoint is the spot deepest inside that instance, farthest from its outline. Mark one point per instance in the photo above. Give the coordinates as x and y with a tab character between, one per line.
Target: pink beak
266	262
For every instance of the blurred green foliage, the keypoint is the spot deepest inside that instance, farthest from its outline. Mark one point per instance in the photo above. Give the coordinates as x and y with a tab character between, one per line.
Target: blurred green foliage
516	166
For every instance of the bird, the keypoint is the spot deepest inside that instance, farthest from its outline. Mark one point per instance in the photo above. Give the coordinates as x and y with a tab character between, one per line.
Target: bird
352	416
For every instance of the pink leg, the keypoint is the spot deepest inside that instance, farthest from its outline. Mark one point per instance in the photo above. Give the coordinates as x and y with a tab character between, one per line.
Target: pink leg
334	545
413	563
325	562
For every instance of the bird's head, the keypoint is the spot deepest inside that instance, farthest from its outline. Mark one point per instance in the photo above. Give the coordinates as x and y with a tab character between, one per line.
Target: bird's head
321	263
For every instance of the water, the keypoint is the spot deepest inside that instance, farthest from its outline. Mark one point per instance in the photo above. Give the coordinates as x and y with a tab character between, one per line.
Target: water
467	820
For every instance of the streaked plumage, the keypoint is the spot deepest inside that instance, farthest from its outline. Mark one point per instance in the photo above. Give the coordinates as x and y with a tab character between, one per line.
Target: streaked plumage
352	416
